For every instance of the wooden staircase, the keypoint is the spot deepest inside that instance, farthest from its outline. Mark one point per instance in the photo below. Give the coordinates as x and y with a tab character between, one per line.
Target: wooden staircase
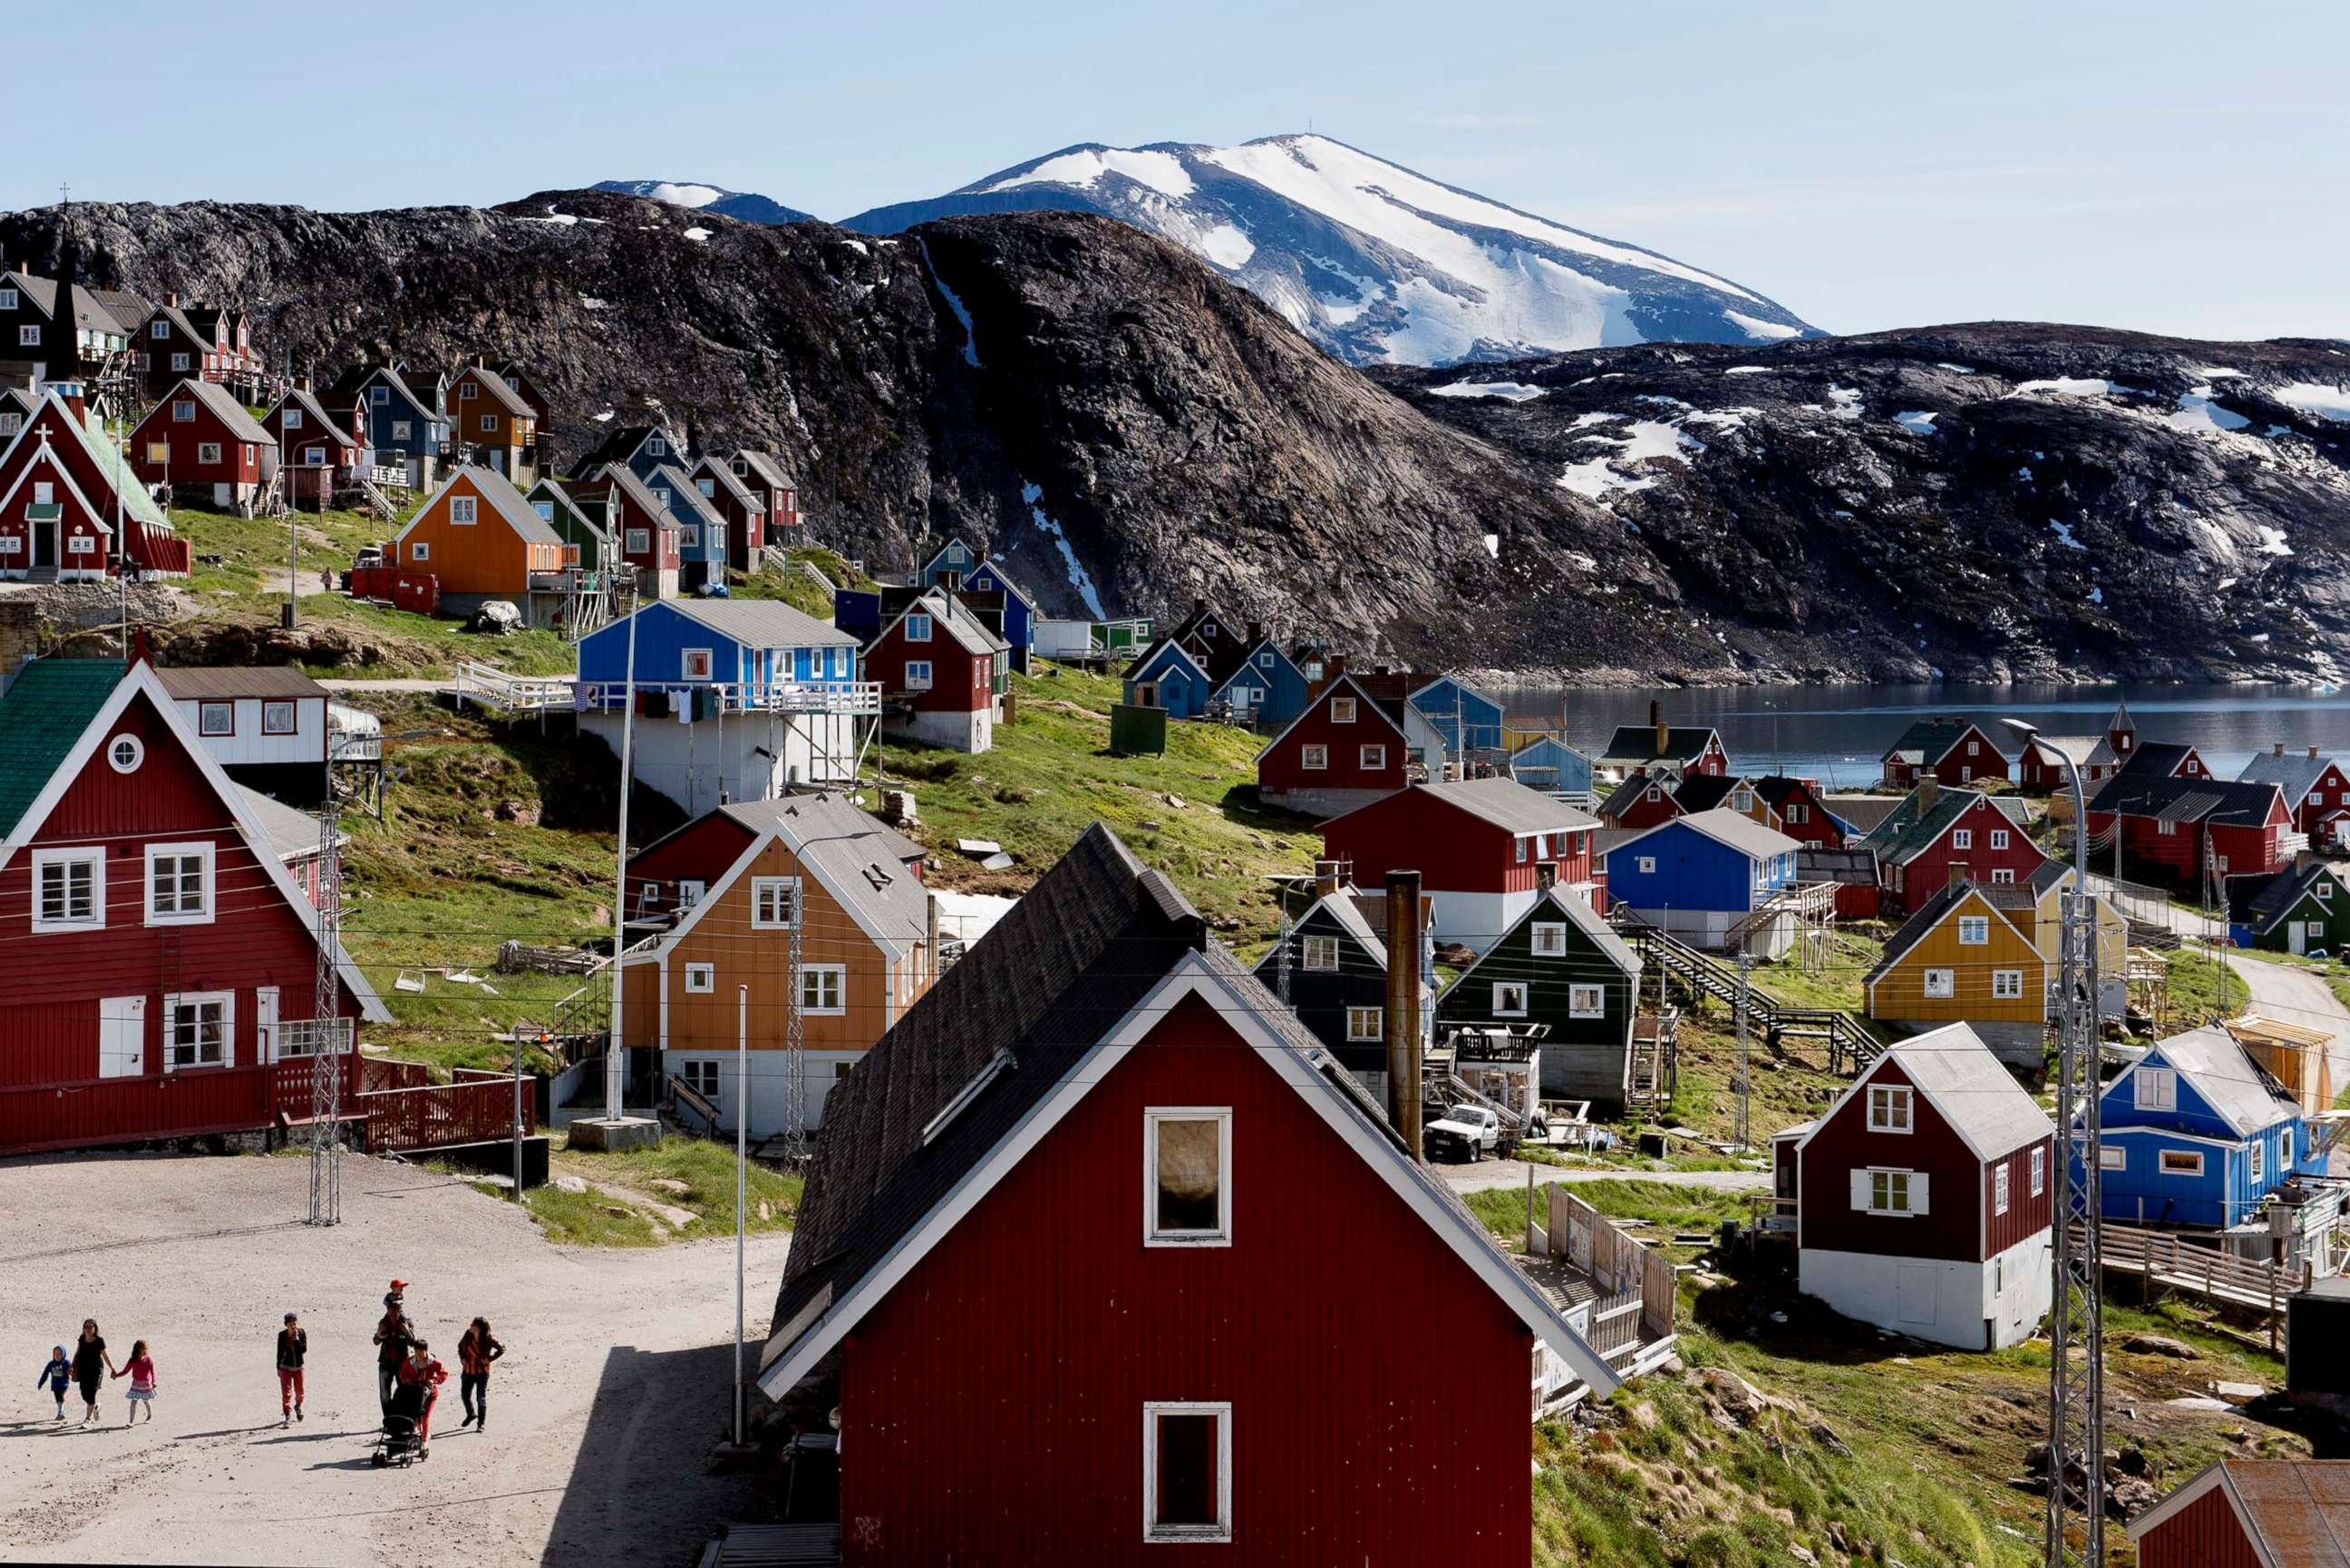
1850	1046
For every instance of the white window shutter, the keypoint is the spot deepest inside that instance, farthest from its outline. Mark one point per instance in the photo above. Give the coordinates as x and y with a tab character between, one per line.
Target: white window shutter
1917	1192
1860	1189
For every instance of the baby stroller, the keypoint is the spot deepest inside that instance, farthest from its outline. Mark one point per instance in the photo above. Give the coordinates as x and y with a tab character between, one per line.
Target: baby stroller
400	1442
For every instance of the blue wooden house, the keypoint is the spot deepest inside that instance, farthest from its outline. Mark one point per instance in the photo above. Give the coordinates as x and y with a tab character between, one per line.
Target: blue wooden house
1169	676
642	450
1704	877
1553	767
953	557
400	417
701	529
2196	1133
1264	685
1466	719
736	698
1019	610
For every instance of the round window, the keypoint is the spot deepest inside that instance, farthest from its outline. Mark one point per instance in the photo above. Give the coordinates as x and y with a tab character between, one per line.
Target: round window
125	752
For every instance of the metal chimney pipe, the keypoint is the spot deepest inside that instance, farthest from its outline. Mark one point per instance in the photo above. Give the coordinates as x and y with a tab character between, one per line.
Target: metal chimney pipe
1403	1011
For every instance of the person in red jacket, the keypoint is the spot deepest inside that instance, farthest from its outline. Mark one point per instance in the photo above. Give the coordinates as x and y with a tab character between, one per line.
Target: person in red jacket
423	1368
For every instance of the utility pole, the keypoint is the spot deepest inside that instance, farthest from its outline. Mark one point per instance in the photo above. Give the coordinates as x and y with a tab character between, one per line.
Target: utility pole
1745	1069
330	1054
1282	973
615	1045
741	1179
795	1144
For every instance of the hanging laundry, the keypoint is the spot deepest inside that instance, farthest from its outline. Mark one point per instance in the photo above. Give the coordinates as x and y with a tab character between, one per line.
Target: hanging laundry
681	704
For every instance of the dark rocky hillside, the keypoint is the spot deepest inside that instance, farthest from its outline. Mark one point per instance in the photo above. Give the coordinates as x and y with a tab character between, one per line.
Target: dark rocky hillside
1115	418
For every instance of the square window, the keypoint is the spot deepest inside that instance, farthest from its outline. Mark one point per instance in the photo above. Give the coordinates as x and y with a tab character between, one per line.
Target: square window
216	718
399	428
1342	709
1510	999
774	903
1374	758
179	363
657	447
701	978
823	989
1187	1472
2112	1157
1187	1202
68	889
293	420
419	551
1888	1191
918	675
1586	1001
1975	931
1647	864
179	884
378	395
462	510
2007	984
2003	876
315	456
917	629
1322	953
197	1028
1940	982
1550	938
1962	838
639	541
28	336
465	392
695	664
2154	1089
689	535
1891	1108
1366	1023
208	452
701	1075
1315	758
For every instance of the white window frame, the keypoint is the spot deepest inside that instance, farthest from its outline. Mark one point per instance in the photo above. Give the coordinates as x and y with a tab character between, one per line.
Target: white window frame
402	429
420	550
1315	759
1646	864
1321	955
125	752
2154	1089
700	978
766	913
2040	1170
1549	939
1501	993
184	411
1999	838
696	664
1975	931
1885	1100
1371	759
463	512
918	675
2180	1162
1366	1025
2285	1149
204	711
1586	1000
1962	838
2007	985
8	300
917	628
2003	876
208	452
1942	984
1221	1531
172	1005
1907	1208
272	709
28	336
198	851
2002	1184
95	858
639	541
291	420
1222	1235
179	361
2256	1155
2112	1157
815	976
1342	709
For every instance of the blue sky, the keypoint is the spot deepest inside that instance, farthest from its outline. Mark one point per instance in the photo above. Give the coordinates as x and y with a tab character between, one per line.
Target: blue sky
2166	167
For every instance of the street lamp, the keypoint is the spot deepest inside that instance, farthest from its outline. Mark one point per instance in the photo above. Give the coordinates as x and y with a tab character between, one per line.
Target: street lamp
2031	732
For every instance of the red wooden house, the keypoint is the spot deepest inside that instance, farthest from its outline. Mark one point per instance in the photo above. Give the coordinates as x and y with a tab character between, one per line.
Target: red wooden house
1083	1199
201	443
2316	790
38	531
1955	751
1345	751
941	674
645	532
1803	815
176	956
204	342
740	502
779	498
320	454
1921	1197
1937	835
1480	844
2250	1513
2176	828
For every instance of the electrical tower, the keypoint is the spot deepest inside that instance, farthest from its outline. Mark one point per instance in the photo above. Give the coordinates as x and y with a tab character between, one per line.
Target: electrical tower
1745	1070
1281	974
2076	1426
795	1144
327	1037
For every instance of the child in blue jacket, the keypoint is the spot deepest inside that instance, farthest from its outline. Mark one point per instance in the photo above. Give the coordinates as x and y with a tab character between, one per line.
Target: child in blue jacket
58	1376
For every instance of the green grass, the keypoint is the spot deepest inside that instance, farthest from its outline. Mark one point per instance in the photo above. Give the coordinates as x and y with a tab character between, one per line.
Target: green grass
2202	988
589	1219
707	1169
2338	979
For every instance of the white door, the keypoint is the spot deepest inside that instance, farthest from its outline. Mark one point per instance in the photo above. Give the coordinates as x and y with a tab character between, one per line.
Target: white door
2300	934
121	1037
1919	1289
265	1022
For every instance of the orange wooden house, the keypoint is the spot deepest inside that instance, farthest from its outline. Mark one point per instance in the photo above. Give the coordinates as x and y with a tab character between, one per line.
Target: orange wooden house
483	541
727	891
493	424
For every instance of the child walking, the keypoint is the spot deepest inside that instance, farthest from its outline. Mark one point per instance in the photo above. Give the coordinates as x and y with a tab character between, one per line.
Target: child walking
140	1370
475	1354
293	1344
58	1376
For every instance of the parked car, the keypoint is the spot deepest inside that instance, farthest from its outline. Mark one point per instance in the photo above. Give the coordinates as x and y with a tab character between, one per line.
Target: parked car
1472	1130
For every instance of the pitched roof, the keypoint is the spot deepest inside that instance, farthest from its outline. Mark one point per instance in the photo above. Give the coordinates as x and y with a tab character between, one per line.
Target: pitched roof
1778	789
762	465
2295	773
761	623
1861	812
224	407
90	309
723	476
291	834
187	682
624	478
1001	1048
1703	792
45	713
2222	801
1929	741
957	623
1909	828
684	492
1508	804
110	461
128	309
1939	909
1638	742
2239	1092
1344	910
1853	866
619	444
860	860
503	499
312	409
1632	791
1733	829
1559	903
1975	1095
505	397
354	381
2296	1511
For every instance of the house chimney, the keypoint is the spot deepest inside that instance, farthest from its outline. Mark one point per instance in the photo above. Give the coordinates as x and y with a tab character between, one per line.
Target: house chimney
171	298
302	383
482	361
1663	731
1326	878
932	901
1256	631
1337	666
1929	792
1198	607
1403	1011
2300	859
952	582
2313	753
2280	750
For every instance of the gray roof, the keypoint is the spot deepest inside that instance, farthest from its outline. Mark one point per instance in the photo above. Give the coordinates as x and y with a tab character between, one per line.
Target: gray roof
1736	829
625	478
860	860
957	623
223	406
506	501
761	623
130	310
1637	744
2294	772
1862	812
499	391
1507	804
2224	1073
291	834
721	476
763	466
301	397
1344	909
1853	865
1978	1096
683	493
218	682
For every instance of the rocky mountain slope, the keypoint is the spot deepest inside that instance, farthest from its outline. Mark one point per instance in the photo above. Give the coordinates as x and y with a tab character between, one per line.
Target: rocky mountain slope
1377	264
1996	501
747	205
1129	429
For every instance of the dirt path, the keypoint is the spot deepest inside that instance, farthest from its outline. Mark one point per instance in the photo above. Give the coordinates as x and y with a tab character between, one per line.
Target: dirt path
1488	1174
203	1256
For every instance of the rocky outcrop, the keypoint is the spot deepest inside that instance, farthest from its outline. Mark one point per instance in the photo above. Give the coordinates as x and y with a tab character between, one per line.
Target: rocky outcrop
1128	429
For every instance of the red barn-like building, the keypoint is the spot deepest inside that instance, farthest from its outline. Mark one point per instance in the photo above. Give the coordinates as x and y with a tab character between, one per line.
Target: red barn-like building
1922	1196
2174	826
1937	835
940	673
2251	1513
200	441
177	958
1345	751
1954	751
1480	846
1083	1200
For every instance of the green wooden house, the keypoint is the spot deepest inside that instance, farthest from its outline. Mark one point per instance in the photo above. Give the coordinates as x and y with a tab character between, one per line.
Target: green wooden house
2305	908
577	513
1562	966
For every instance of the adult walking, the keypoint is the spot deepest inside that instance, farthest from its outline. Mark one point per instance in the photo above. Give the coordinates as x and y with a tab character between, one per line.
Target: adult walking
91	1367
424	1369
475	1352
394	1335
293	1346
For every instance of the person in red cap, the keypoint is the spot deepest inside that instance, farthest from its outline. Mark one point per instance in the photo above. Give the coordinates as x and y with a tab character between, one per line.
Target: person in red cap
394	1335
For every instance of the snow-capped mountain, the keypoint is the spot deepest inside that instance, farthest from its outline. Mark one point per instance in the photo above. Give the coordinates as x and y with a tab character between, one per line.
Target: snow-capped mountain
1377	264
749	207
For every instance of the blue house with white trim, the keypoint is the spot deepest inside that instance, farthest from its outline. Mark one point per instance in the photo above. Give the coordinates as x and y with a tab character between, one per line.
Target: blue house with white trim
400	417
1019	610
2195	1132
1168	676
1700	877
955	556
1465	716
1553	767
1265	685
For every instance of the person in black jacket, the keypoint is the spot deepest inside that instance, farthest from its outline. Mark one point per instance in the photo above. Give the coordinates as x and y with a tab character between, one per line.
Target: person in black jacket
293	1344
90	1366
394	1333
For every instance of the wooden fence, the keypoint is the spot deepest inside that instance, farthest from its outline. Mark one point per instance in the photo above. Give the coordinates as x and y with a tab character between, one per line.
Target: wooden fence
2165	1262
1625	1273
476	1108
200	1103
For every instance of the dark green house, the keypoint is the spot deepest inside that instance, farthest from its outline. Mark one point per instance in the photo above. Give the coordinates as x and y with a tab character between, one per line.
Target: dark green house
575	513
2305	908
1562	966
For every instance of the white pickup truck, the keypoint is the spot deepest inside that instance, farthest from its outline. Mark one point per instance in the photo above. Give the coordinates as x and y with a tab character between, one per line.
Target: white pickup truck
1473	1131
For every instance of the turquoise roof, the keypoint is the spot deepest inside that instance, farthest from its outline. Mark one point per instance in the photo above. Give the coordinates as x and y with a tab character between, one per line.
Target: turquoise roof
45	713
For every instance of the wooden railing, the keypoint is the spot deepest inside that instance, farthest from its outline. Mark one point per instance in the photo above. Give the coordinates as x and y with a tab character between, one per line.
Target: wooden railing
1705	976
196	1103
474	1109
2166	1261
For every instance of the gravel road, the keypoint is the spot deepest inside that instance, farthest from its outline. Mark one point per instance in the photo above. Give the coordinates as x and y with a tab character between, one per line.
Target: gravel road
202	1257
1487	1173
